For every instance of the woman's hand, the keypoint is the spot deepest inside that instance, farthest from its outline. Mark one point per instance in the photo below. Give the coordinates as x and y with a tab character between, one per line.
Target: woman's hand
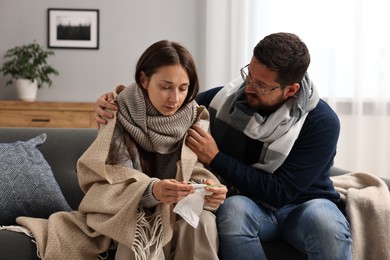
219	194
171	191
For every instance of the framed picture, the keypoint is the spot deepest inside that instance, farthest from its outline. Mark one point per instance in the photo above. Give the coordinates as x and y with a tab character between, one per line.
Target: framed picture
73	28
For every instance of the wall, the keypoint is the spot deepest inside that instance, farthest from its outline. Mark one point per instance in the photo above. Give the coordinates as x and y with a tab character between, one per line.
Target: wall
127	28
364	154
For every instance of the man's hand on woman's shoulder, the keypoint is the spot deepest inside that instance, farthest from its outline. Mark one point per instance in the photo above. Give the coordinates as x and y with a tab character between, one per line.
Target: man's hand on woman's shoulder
104	103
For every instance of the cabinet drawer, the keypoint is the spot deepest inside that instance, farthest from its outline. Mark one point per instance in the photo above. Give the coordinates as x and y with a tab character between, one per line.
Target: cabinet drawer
39	118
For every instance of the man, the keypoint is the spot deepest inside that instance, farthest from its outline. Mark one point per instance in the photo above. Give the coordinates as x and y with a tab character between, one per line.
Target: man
273	141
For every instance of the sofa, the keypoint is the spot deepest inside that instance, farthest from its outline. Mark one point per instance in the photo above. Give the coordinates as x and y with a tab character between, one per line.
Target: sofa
61	150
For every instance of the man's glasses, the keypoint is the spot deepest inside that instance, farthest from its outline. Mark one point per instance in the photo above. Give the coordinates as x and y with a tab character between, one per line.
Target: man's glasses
264	89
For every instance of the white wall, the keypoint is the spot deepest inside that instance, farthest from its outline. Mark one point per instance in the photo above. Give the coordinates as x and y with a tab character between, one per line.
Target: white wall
127	28
363	154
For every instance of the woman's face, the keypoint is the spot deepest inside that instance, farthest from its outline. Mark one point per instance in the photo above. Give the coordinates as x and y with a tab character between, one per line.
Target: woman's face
167	88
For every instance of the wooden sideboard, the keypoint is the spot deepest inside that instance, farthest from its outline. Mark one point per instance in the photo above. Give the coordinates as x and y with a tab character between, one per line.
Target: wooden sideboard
46	114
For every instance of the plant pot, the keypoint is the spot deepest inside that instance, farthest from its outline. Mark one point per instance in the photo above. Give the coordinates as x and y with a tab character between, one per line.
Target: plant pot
26	89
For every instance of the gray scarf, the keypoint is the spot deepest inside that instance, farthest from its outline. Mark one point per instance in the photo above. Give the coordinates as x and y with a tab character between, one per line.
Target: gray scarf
278	131
151	130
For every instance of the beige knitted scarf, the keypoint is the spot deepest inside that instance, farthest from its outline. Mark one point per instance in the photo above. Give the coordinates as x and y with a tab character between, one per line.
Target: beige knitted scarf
151	130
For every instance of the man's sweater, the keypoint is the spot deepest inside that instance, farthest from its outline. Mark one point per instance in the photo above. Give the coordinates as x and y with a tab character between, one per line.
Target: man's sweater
304	175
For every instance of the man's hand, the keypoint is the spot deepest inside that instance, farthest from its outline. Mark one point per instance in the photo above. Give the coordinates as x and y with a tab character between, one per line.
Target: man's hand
202	144
102	103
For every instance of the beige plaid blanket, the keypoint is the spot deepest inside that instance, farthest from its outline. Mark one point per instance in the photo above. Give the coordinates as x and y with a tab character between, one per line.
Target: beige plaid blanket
367	202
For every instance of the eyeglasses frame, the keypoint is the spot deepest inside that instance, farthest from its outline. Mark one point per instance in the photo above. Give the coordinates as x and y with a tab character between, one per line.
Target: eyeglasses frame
248	80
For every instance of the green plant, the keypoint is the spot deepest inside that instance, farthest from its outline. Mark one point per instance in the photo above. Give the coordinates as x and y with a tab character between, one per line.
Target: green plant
28	62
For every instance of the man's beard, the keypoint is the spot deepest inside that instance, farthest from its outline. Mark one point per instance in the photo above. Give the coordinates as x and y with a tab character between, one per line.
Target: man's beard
255	103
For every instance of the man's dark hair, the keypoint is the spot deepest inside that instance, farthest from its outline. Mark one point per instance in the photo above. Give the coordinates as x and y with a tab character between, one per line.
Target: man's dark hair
285	54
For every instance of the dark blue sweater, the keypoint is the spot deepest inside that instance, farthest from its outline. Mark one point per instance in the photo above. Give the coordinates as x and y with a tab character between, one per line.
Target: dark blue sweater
304	175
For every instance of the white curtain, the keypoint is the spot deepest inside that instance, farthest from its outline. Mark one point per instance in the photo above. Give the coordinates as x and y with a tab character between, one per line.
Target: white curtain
349	44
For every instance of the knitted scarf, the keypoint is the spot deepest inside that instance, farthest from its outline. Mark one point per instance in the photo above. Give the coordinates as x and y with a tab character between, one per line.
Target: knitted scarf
278	131
151	130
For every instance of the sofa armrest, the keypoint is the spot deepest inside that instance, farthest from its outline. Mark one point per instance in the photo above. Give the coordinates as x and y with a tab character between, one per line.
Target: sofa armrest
334	171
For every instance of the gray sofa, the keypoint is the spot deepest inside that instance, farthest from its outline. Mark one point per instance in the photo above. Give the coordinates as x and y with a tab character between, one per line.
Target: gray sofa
61	150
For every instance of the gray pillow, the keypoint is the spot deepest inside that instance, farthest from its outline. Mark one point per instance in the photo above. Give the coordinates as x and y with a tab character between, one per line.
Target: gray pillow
27	183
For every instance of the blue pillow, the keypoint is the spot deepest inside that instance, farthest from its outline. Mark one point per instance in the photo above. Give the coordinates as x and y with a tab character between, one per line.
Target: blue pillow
27	184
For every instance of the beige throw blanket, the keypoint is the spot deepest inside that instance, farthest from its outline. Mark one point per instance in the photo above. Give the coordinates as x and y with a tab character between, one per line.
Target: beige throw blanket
367	202
109	210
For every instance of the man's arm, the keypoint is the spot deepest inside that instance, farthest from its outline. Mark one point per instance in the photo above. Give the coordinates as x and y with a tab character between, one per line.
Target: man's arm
204	98
105	102
304	174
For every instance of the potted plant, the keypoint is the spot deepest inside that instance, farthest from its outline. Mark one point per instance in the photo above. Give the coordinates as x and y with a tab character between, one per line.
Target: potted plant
28	68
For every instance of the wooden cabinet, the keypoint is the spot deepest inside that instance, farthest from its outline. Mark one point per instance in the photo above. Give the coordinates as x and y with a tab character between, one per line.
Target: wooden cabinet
47	114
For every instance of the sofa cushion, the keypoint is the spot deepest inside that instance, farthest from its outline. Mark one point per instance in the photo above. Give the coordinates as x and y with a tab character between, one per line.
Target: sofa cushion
27	184
15	245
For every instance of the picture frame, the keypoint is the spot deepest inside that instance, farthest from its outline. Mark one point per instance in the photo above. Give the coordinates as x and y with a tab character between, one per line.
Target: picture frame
73	28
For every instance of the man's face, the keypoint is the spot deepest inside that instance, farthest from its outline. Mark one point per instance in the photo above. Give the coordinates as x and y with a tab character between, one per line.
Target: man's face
262	91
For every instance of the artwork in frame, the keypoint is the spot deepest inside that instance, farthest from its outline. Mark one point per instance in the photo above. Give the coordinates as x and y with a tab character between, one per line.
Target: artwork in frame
73	28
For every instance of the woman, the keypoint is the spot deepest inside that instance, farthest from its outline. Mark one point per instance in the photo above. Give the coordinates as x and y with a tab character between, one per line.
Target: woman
137	169
153	117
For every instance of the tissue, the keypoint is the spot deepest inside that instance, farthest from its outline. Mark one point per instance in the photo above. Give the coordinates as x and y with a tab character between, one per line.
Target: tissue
191	207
